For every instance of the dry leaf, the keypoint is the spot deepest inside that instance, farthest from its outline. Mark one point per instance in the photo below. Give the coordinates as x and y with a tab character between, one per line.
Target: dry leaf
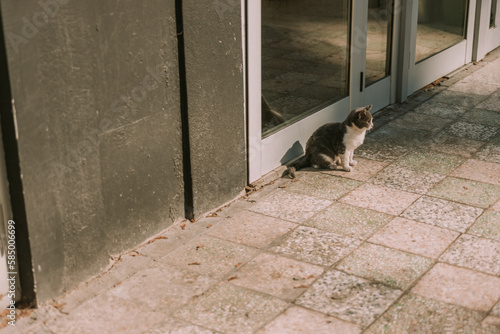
282	186
209	225
214	214
183	226
310	276
160	237
238	264
300	286
194	264
199	246
231	278
117	284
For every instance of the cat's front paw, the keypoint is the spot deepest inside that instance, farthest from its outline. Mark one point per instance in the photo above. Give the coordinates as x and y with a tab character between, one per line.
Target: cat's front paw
347	168
353	163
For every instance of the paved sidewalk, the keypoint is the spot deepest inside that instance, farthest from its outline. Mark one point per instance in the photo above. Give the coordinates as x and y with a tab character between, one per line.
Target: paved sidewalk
409	242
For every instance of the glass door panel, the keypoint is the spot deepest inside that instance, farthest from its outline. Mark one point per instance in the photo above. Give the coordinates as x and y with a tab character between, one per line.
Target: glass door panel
441	24
305	59
378	40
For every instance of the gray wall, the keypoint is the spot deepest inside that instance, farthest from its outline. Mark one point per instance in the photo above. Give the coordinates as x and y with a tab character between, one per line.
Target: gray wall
215	93
96	93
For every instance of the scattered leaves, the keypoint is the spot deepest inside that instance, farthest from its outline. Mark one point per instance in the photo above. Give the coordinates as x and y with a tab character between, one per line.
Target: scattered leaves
310	276
282	186
295	180
183	226
238	264
157	238
300	286
117	284
209	225
194	264
199	246
232	278
213	215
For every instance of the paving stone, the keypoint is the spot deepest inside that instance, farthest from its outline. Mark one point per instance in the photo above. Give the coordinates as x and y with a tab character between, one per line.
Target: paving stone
176	326
315	246
348	297
290	206
467	191
474	253
459	286
349	220
475	88
298	320
277	276
460	99
148	288
209	256
363	171
431	161
496	206
382	199
491	103
399	135
386	265
487	226
407	179
424	122
442	213
228	308
417	314
440	109
481	116
487	172
322	185
380	150
449	144
251	229
414	237
472	131
489	152
496	310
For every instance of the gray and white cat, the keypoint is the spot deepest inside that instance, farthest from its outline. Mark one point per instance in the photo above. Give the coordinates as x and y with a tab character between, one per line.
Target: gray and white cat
334	143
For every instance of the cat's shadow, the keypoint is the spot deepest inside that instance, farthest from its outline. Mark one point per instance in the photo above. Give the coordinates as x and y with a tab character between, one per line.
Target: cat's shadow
292	153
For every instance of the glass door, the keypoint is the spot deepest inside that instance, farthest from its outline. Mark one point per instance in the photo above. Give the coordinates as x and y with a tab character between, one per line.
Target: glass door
309	63
488	28
298	75
442	35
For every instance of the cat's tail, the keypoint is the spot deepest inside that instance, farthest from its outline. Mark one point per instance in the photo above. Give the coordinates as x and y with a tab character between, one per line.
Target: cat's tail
297	164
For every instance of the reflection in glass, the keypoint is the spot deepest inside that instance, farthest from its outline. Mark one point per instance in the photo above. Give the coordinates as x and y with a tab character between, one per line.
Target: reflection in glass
378	40
305	58
441	24
493	13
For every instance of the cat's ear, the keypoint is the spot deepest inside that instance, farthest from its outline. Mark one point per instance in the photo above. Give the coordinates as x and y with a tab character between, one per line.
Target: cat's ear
361	113
368	107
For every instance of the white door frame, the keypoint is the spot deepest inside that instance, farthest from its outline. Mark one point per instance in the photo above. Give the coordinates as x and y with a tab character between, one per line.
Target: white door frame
486	38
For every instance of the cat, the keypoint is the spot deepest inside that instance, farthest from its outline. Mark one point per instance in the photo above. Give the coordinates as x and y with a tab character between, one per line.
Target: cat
334	143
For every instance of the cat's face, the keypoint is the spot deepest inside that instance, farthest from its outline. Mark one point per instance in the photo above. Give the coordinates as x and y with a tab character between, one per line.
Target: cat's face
361	118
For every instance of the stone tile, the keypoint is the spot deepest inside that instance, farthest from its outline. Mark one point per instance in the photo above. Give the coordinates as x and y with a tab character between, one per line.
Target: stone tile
315	246
298	207
490	152
481	116
209	256
496	206
442	213
422	122
399	135
363	171
459	286
496	310
460	99
228	308
467	191
487	172
446	143
322	185
440	109
163	288
251	229
491	103
474	253
472	131
487	226
389	266
417	314
431	161
176	326
491	321
380	150
414	237
476	88
348	297
277	276
349	220
380	199
407	179
298	320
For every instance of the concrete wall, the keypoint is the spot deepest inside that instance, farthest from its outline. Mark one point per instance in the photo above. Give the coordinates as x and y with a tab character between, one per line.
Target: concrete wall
215	96
96	92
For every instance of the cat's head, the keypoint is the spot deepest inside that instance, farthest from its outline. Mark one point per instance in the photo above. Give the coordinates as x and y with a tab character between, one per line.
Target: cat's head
361	118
